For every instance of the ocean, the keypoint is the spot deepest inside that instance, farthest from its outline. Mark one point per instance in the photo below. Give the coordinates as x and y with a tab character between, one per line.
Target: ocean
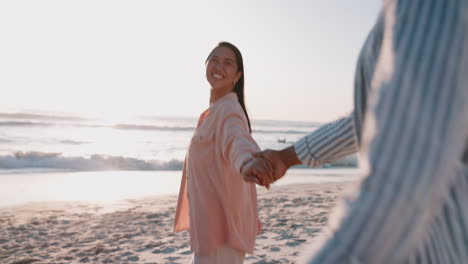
46	157
31	141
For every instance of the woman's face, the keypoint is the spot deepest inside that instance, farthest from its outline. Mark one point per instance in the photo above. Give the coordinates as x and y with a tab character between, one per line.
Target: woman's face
221	69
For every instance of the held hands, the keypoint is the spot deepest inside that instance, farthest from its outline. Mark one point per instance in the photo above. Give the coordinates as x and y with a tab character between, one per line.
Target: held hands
259	171
265	168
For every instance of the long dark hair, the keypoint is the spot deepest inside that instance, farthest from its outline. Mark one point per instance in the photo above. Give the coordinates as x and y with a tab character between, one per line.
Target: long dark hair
239	87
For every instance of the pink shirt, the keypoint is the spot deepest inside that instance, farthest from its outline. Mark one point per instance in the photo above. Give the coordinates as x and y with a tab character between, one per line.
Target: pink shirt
215	203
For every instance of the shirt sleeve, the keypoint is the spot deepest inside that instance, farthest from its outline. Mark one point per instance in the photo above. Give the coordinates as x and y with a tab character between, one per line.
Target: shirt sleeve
328	143
414	137
236	143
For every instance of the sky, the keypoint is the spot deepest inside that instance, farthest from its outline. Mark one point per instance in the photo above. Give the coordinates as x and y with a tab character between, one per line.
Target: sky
115	59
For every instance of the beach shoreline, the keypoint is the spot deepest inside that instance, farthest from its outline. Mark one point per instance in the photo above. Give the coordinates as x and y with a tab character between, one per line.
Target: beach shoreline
140	230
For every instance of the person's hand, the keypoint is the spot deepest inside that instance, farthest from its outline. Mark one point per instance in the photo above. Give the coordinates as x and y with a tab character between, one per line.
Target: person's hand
278	161
275	159
259	171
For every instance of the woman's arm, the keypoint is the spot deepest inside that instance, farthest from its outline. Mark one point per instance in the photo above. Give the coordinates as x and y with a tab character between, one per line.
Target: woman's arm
236	143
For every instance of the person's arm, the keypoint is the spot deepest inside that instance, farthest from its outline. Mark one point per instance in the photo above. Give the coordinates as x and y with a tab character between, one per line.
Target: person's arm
236	143
413	140
328	143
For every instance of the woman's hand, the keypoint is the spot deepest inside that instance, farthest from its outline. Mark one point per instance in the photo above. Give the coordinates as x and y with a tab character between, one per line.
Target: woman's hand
278	162
259	171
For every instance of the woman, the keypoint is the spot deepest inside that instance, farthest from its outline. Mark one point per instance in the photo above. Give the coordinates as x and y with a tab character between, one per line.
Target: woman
218	207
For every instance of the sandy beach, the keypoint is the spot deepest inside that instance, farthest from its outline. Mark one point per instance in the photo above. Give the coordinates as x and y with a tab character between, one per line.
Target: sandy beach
140	230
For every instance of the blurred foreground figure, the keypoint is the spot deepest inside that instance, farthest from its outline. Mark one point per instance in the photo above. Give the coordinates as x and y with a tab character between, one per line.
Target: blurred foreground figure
410	126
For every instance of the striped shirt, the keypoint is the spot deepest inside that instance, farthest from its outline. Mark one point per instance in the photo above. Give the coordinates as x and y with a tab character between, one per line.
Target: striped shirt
410	126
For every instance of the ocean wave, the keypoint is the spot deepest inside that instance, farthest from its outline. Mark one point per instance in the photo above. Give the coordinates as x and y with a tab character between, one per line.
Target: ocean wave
143	127
281	131
149	127
21	123
29	116
348	161
191	128
73	142
95	162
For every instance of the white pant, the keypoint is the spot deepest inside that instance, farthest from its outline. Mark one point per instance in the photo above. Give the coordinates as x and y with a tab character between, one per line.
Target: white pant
222	255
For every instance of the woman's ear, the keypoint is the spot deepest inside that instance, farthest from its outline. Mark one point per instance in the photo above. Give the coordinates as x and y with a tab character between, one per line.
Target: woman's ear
237	78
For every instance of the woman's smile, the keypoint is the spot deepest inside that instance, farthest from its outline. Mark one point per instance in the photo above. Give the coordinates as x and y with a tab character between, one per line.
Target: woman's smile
217	76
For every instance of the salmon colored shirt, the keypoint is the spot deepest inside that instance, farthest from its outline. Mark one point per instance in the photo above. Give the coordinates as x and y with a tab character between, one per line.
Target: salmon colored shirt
215	203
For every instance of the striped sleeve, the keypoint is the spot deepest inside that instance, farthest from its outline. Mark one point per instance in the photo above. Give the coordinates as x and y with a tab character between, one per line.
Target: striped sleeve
328	143
414	137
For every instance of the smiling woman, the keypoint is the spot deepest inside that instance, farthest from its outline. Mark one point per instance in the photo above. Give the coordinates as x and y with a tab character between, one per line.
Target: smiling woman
223	218
224	69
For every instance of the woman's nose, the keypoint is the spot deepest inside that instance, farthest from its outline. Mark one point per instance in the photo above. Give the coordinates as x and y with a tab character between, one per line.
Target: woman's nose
218	65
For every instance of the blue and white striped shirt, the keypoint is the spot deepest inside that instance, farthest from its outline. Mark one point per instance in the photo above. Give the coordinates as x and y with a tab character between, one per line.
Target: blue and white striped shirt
410	125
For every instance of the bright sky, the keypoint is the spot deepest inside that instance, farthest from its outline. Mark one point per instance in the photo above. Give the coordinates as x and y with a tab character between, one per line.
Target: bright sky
120	58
